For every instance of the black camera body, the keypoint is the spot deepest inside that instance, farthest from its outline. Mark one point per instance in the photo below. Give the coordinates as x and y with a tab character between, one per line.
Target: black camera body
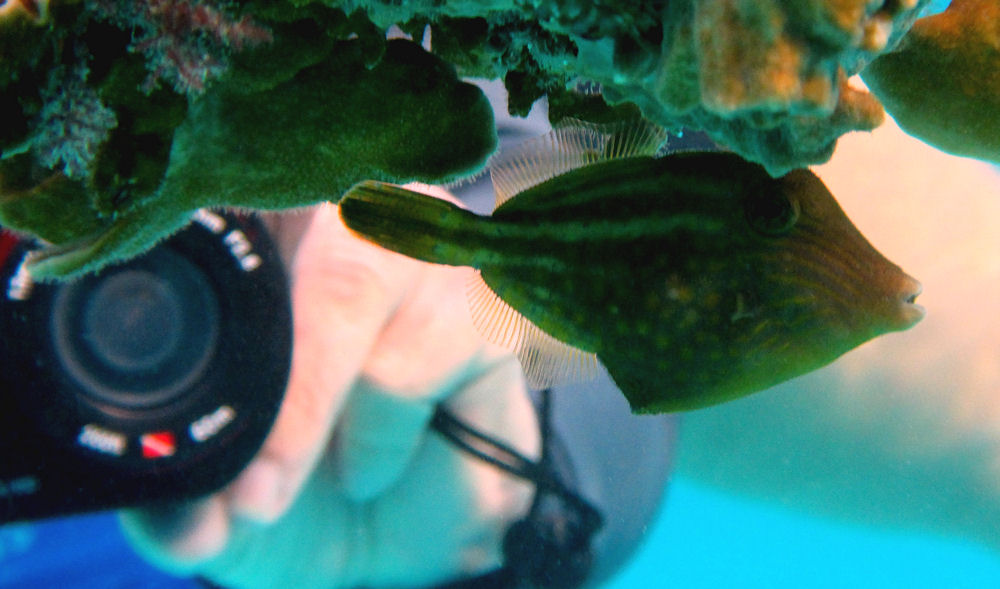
152	380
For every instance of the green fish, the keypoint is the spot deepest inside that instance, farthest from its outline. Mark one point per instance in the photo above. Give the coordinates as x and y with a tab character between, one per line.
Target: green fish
694	278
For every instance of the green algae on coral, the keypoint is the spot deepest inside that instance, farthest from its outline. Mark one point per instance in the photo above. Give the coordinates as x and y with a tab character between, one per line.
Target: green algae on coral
311	97
301	140
942	83
311	138
765	79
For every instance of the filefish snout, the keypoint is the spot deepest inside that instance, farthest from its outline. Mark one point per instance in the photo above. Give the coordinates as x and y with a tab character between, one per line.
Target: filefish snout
857	285
905	312
882	297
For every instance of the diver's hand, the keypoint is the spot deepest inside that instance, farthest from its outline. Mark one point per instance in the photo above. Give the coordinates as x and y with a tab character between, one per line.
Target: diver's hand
378	339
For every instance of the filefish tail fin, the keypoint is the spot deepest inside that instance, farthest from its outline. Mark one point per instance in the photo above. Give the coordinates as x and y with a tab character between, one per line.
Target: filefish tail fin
408	222
545	360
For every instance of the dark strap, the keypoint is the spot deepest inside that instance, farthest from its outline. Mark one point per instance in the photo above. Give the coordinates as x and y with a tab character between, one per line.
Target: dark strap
543	474
550	547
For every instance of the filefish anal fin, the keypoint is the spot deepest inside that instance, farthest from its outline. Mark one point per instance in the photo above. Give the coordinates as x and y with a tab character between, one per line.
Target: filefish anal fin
546	361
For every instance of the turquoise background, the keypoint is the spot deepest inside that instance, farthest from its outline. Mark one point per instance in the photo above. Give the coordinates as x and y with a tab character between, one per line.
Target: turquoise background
703	538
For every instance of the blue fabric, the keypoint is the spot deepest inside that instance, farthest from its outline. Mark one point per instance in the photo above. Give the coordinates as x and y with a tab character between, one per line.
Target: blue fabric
87	552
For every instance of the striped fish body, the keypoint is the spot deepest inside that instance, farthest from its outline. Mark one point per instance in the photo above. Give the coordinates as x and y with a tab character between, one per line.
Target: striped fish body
694	278
592	257
652	265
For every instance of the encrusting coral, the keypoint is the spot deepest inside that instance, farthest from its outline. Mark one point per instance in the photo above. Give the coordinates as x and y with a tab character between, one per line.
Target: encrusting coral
942	83
766	78
326	103
273	104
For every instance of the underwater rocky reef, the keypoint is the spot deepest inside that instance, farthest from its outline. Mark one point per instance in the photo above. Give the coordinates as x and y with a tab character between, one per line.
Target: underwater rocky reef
122	117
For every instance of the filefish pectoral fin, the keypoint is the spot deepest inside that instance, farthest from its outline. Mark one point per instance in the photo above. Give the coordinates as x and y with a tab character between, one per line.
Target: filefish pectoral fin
546	361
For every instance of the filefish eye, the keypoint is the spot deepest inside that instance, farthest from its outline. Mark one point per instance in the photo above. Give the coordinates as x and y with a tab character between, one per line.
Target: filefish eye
771	214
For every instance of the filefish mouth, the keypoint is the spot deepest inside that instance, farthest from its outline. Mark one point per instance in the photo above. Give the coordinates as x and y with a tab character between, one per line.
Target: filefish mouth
910	313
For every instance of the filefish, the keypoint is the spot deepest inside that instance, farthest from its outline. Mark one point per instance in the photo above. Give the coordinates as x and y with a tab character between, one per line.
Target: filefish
694	278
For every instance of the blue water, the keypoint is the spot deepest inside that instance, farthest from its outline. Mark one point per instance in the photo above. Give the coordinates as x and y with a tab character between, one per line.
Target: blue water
935	6
706	538
703	538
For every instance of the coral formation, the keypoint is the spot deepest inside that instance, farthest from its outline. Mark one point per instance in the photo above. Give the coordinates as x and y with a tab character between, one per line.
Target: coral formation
942	83
765	78
278	103
72	125
183	39
111	164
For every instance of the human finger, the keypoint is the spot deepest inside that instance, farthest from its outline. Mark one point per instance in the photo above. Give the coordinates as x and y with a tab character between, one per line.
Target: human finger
343	293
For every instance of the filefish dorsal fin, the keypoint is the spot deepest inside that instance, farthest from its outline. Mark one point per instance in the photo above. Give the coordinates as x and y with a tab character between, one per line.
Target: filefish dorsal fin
572	144
545	360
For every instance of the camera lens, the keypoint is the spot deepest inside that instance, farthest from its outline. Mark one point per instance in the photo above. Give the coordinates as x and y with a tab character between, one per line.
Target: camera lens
138	335
154	379
133	320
